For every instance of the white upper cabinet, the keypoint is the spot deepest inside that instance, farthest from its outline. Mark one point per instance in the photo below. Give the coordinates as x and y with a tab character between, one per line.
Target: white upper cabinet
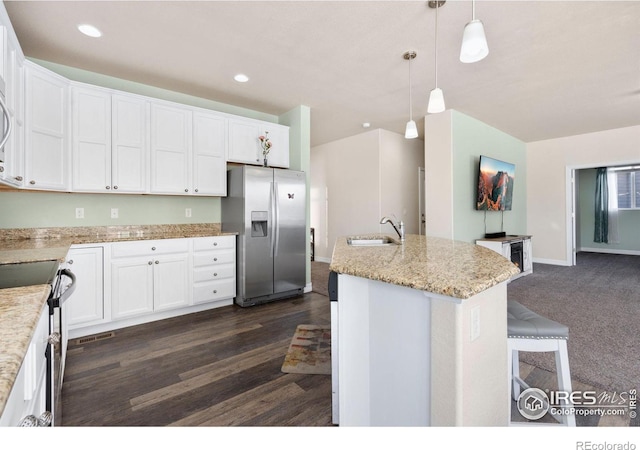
244	143
46	130
109	148
209	150
91	147
170	149
130	143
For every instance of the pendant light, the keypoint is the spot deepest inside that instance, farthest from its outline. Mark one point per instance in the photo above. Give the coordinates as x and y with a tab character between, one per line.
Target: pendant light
436	98
474	43
411	131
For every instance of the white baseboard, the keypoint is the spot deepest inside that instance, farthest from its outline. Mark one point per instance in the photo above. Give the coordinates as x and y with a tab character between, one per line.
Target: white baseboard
612	251
307	288
554	262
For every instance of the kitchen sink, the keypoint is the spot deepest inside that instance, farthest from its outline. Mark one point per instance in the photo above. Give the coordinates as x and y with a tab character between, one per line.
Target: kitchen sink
370	241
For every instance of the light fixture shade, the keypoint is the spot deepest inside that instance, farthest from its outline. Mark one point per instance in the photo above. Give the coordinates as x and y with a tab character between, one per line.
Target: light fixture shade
436	101
411	131
474	43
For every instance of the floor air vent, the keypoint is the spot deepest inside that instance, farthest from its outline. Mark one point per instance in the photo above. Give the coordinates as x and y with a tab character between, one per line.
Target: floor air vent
95	337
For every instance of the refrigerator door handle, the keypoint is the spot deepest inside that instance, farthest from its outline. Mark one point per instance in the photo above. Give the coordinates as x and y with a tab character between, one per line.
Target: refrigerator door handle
272	200
277	219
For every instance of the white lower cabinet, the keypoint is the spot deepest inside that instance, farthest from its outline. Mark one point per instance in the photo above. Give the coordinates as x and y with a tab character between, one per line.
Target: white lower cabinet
28	395
86	304
214	268
149	276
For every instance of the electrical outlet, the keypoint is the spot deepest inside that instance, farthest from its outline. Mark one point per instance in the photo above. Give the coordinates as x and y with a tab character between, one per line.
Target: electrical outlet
475	323
187	212
79	213
114	213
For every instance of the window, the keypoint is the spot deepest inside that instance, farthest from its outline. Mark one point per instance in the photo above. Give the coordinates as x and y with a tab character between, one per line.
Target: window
628	181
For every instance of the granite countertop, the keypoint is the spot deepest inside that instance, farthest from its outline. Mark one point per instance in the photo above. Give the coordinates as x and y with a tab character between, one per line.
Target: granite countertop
441	266
20	308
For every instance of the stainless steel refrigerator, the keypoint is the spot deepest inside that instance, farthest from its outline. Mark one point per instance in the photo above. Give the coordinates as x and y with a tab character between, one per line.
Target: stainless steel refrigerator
266	207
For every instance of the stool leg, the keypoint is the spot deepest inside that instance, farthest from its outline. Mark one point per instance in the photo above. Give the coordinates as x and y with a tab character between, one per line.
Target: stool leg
515	374
564	378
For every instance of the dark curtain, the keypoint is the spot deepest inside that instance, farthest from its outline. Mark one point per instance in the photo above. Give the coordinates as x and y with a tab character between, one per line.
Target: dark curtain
601	232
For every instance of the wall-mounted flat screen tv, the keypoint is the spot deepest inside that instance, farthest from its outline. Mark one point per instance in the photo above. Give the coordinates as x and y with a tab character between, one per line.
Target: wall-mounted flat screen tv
495	184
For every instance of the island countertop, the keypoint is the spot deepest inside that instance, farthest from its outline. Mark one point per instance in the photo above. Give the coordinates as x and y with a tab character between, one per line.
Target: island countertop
440	266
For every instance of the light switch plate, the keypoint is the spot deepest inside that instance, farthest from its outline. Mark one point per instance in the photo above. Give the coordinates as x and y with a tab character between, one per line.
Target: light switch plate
79	213
187	212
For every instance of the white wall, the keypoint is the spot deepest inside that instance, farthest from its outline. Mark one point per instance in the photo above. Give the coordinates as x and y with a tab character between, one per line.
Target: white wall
548	191
357	180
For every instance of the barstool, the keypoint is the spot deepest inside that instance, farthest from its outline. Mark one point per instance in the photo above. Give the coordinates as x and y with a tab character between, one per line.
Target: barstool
530	332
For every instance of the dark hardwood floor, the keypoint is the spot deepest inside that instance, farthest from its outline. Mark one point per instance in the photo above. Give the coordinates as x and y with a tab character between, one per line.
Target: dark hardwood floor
218	367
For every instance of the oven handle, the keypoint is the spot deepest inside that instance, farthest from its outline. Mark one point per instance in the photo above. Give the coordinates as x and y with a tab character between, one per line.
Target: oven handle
70	288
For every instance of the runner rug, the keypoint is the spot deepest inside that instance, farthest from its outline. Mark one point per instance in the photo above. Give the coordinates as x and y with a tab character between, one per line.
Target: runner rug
309	351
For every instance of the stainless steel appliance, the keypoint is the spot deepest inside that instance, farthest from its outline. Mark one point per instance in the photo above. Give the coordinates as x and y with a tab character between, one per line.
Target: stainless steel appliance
266	207
62	284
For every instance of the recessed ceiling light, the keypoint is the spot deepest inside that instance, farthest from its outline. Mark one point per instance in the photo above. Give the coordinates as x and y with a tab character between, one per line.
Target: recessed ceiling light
366	125
89	30
241	78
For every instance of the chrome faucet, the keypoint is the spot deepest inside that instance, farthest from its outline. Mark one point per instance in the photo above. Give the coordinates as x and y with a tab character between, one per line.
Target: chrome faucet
400	231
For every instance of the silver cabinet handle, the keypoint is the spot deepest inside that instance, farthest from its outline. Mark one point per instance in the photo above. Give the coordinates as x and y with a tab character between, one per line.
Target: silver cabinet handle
1	169
215	244
153	248
5	116
215	291
107	187
18	178
150	263
215	259
196	190
115	187
157	262
186	190
215	274
70	261
32	182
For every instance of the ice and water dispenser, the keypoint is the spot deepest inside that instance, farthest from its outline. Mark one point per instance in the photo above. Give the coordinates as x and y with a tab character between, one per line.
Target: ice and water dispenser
259	223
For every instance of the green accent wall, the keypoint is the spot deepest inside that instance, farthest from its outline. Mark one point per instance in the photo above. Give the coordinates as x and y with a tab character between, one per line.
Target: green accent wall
628	220
470	139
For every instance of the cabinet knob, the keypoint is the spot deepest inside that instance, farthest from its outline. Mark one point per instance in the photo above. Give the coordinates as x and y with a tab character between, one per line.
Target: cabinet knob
153	248
70	261
19	178
32	182
54	338
157	262
186	190
115	187
196	190
150	263
215	244
1	168
107	187
215	259
215	291
215	274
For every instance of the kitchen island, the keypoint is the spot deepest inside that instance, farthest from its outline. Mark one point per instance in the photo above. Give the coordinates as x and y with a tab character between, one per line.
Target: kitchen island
419	333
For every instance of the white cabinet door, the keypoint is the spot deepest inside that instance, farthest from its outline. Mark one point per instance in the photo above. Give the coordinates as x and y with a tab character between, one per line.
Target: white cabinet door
244	143
91	146
170	149
170	282
209	149
131	287
130	149
47	136
86	304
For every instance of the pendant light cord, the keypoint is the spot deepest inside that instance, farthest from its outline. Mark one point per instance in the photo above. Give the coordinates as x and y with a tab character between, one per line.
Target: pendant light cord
410	106
436	41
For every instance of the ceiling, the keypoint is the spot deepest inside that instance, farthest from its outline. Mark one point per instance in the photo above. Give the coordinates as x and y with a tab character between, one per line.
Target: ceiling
555	68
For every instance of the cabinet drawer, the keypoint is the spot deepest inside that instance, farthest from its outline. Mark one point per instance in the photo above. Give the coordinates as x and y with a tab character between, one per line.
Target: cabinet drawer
213	273
213	258
151	247
214	242
214	290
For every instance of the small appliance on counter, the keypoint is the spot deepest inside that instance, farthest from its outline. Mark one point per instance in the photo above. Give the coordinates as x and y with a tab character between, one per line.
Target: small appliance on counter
266	207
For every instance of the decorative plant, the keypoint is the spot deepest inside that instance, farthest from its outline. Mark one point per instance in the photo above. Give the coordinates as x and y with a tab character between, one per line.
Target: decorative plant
265	143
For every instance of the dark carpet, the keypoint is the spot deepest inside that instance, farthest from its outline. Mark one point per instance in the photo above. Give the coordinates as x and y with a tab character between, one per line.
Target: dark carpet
599	300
